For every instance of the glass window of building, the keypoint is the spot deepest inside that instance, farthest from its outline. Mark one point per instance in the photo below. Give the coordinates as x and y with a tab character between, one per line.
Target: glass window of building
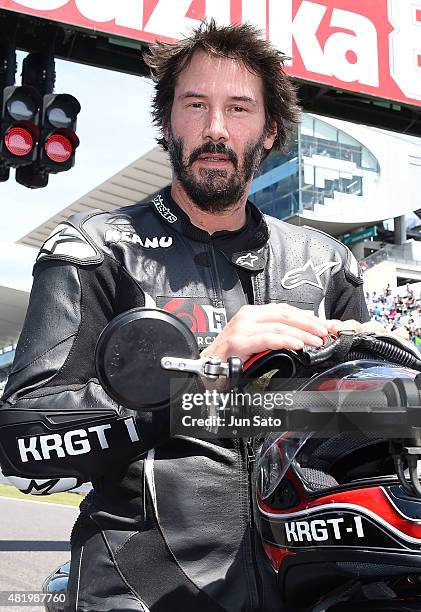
323	164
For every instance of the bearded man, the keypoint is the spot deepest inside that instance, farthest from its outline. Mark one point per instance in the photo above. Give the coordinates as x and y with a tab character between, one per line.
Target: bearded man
169	524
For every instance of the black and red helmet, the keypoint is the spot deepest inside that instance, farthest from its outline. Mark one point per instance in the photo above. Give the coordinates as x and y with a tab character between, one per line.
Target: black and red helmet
335	520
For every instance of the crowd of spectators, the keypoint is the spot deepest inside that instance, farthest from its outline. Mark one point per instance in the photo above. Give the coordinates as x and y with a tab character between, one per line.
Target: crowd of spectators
397	312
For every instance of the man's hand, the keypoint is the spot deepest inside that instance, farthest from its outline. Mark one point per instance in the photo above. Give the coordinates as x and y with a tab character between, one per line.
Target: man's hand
334	325
272	326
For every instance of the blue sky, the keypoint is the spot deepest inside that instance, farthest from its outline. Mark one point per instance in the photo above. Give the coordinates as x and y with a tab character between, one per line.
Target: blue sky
114	128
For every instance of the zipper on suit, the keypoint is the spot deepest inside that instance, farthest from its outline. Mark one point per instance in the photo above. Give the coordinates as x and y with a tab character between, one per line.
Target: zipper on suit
251	458
258	298
216	283
248	552
246	455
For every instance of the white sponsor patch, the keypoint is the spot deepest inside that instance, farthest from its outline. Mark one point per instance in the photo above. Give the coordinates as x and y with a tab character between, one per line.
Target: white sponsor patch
163	210
74	442
115	235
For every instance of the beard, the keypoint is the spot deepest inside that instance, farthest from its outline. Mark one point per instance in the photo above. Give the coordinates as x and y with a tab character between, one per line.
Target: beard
216	189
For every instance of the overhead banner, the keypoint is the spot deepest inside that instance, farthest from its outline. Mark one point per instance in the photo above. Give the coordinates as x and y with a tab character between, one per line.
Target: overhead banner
367	46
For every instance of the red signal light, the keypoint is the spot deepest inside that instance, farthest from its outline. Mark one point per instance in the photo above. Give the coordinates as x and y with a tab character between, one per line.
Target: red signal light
58	148
19	141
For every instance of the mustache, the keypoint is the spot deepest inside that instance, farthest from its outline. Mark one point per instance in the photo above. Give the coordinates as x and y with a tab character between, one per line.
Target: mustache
214	148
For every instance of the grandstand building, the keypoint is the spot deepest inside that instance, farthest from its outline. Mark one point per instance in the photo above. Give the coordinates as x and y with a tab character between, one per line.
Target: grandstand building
347	179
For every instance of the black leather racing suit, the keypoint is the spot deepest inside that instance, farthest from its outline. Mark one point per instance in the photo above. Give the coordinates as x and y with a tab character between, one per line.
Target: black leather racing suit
169	526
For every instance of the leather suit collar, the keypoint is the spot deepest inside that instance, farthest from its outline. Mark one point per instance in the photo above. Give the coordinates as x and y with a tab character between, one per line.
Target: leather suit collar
170	213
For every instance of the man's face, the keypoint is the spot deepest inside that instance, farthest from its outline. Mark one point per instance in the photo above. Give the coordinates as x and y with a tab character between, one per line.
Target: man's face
216	136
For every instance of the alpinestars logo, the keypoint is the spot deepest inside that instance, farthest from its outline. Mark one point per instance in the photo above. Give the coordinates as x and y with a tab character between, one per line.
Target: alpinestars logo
67	241
43	486
115	235
163	210
309	274
247	260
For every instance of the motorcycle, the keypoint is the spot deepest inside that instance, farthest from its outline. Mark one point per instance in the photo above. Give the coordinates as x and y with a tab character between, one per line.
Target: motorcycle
337	494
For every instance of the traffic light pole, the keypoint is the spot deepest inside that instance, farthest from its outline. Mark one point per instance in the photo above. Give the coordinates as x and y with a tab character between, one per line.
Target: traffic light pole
38	70
7	65
7	78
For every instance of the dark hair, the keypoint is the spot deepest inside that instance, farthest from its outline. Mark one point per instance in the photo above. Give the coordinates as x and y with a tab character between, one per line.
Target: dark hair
241	42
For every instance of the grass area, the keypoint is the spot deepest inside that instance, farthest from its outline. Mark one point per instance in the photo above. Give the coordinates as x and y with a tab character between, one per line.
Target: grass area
71	499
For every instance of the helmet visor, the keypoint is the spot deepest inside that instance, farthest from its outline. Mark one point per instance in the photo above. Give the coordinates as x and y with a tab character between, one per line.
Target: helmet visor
274	458
368	377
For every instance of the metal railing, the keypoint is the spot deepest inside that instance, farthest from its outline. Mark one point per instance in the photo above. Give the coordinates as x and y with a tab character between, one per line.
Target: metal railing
405	253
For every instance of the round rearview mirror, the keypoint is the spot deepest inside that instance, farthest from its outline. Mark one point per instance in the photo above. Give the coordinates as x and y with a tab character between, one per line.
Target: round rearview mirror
128	358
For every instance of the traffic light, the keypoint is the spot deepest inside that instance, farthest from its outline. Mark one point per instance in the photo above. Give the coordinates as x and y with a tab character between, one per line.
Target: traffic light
19	130
58	141
37	128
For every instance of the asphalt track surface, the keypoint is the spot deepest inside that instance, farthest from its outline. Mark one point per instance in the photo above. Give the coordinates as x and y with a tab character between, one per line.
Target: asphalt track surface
34	540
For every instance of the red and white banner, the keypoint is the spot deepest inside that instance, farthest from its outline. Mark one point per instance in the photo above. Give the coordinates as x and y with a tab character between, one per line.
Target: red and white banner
369	46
